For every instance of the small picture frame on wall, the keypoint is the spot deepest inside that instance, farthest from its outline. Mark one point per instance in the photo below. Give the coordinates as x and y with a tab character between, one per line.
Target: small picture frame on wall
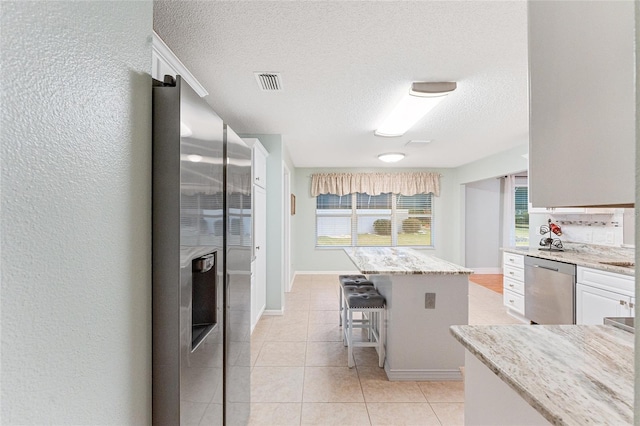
293	204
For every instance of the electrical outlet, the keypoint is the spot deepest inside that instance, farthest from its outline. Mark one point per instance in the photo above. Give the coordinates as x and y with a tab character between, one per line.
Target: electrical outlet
429	300
610	238
587	236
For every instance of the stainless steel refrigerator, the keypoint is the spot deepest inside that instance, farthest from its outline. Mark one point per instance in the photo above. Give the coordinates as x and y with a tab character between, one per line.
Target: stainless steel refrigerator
201	262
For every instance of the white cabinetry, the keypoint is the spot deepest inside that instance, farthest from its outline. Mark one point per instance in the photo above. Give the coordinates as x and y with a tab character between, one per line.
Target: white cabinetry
259	258
554	210
513	282
601	294
582	103
571	210
165	62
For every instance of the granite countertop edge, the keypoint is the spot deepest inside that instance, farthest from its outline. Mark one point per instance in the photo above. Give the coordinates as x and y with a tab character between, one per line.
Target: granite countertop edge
577	258
513	384
465	335
435	272
401	261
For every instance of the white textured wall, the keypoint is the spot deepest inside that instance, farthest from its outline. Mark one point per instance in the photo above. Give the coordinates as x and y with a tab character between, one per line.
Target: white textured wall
75	219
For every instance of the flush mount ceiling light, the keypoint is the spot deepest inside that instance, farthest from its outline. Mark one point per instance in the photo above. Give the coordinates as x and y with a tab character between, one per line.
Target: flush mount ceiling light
418	142
421	99
391	157
185	131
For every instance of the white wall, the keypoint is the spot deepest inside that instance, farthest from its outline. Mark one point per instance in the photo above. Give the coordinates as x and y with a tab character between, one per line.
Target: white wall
483	233
76	212
508	162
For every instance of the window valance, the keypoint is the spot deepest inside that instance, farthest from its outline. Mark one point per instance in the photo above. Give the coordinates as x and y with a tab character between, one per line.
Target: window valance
375	183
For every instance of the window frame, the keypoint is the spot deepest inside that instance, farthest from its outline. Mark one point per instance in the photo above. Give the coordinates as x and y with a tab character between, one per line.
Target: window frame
515	224
354	215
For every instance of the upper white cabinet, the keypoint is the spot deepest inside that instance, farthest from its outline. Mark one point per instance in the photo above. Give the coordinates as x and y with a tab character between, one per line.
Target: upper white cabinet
259	259
582	103
259	158
260	165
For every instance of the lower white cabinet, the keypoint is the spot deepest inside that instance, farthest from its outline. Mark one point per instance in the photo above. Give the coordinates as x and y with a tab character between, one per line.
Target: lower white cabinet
594	304
513	301
513	282
601	294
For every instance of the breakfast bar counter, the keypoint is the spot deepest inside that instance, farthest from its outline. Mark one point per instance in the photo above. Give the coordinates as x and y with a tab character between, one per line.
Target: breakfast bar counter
558	374
401	261
424	297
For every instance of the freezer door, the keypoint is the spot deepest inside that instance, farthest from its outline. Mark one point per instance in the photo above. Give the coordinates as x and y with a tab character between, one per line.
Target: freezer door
238	246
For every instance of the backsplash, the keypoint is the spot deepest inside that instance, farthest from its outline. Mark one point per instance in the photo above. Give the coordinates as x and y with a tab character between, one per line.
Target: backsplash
603	229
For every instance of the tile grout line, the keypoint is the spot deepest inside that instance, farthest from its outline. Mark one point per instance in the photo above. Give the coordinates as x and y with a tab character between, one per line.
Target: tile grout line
304	368
430	406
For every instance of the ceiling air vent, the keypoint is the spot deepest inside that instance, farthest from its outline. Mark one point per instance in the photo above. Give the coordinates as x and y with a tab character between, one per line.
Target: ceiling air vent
269	81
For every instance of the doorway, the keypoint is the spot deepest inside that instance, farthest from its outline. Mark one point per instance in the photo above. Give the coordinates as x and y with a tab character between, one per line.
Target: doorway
286	246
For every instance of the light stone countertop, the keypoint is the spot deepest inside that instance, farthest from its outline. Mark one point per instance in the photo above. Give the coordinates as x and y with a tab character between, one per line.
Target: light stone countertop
571	374
586	255
401	261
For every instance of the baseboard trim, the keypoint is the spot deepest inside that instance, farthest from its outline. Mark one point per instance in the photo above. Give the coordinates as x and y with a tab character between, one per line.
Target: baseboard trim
423	375
487	271
518	316
293	279
273	312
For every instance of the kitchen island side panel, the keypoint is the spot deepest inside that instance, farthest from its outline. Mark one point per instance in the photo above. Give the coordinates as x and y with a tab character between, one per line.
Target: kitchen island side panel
419	345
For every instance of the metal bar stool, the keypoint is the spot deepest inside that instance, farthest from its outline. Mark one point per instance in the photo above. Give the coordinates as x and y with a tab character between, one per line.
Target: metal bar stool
371	304
350	280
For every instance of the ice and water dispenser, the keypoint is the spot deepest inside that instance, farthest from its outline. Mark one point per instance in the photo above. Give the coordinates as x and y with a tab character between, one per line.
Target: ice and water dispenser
203	312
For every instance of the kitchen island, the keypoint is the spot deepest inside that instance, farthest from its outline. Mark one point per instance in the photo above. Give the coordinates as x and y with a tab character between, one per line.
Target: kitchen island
558	374
424	297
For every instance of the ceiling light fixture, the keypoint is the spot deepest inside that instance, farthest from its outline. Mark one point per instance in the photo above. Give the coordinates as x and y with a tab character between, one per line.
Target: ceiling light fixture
194	158
185	131
421	99
418	142
391	157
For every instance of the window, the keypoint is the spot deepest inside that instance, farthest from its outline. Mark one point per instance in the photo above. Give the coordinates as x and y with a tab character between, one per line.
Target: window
373	220
521	197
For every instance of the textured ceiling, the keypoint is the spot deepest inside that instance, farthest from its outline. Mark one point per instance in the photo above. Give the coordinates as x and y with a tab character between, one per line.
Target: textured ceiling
344	66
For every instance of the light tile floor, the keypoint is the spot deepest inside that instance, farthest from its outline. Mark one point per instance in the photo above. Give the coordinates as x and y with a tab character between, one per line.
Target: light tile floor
300	375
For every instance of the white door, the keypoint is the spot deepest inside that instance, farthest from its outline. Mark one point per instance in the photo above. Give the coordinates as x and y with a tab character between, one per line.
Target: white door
594	304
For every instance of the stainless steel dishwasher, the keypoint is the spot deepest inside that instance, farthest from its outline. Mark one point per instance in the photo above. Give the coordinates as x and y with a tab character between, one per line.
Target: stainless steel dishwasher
549	291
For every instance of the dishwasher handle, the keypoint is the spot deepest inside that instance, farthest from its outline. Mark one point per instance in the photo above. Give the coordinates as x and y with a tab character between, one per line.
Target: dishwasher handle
546	267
